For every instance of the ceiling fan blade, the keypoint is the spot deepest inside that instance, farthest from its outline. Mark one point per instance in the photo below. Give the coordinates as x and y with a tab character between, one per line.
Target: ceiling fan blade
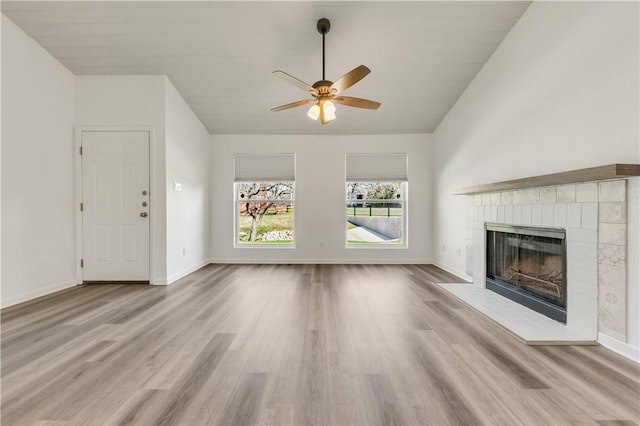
292	105
291	79
350	78
357	102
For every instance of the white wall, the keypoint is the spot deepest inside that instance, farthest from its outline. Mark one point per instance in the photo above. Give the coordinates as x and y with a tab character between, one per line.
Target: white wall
188	161
560	93
38	227
104	102
320	192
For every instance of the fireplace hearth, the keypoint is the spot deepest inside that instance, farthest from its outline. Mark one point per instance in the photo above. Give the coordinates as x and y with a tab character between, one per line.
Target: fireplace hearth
528	265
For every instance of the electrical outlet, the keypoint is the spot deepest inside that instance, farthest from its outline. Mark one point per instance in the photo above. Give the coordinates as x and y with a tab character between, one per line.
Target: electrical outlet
184	251
458	251
444	247
321	243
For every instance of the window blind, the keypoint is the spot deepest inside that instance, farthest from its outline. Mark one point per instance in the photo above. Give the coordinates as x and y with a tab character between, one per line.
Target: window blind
264	167
376	167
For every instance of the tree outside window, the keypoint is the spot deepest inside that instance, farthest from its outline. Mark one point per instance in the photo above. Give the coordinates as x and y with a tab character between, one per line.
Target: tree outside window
265	212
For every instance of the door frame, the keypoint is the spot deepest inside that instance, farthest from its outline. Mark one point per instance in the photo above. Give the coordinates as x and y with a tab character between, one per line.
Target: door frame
78	130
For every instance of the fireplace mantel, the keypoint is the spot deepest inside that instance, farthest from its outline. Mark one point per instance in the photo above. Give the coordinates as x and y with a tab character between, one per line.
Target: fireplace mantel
610	171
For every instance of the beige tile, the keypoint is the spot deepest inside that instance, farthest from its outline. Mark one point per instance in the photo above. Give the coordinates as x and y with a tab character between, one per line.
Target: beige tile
610	276
519	196
495	198
612	322
566	193
612	255
615	190
506	198
477	199
587	192
486	199
612	233
548	194
533	195
613	212
612	317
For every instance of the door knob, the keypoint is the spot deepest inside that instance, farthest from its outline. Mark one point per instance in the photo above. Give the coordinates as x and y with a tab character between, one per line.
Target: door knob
143	214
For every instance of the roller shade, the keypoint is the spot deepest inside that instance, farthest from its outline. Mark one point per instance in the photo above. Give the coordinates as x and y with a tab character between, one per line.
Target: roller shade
376	167
264	167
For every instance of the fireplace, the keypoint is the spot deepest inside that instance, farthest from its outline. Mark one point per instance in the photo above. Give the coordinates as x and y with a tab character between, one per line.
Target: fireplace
528	265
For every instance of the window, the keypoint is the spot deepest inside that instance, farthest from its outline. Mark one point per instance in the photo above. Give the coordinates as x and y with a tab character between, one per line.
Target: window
264	191
375	213
265	212
376	200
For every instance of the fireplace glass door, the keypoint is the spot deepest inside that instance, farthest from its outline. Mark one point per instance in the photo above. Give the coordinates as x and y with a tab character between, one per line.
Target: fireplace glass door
528	265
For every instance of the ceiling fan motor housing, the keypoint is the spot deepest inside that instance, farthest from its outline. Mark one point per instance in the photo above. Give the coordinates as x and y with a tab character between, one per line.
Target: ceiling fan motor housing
323	86
323	25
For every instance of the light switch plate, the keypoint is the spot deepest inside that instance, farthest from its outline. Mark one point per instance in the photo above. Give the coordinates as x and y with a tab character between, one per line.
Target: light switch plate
177	186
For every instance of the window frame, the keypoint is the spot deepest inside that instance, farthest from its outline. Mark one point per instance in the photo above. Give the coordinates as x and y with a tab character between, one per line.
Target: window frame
404	188
236	217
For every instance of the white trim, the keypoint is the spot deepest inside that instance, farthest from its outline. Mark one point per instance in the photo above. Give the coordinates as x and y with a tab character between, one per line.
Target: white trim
621	348
175	277
288	261
453	271
43	291
78	188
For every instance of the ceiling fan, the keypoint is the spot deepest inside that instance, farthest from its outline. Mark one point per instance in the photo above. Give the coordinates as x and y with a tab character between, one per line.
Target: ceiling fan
324	92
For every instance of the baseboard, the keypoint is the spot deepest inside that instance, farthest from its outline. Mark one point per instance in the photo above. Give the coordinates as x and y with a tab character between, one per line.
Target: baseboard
626	350
324	261
25	297
175	277
453	271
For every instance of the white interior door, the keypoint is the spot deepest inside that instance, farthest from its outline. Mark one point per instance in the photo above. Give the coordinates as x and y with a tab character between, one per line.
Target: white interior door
116	201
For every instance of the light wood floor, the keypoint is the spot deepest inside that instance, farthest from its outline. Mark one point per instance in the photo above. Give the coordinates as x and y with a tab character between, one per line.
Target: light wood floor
294	344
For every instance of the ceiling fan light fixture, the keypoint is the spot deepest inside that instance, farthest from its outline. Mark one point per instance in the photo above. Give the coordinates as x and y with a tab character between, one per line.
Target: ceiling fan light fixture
327	93
314	112
329	110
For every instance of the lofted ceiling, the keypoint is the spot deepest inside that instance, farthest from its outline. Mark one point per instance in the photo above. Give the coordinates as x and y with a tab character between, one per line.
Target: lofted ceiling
220	55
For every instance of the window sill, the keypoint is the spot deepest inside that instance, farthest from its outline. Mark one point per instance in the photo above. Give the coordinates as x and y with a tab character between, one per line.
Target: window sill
265	246
374	246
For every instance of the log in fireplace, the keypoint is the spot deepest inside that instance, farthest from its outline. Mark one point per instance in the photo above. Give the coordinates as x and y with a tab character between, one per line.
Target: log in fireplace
528	265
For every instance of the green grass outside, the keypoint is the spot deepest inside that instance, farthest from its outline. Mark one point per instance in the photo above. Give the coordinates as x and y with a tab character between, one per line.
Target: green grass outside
272	222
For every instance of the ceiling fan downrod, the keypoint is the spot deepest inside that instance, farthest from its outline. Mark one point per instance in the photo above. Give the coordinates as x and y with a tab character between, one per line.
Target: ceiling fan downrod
323	28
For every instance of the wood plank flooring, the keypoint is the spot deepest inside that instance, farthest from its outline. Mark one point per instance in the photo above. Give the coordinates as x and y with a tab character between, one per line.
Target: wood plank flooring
295	345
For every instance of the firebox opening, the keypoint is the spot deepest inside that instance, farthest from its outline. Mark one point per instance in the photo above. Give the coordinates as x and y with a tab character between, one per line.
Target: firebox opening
528	265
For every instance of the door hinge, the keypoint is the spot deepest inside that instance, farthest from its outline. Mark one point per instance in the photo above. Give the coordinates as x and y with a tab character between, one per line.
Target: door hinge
81	207
80	150
82	263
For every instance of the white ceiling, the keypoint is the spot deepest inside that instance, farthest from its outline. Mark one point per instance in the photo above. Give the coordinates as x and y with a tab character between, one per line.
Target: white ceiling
220	55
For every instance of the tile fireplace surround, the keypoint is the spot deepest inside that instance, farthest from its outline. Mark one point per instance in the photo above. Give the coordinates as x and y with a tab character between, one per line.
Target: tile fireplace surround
601	219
